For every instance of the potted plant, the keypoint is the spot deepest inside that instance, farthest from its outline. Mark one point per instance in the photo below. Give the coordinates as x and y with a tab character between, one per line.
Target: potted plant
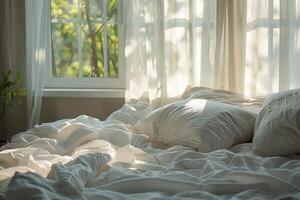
10	95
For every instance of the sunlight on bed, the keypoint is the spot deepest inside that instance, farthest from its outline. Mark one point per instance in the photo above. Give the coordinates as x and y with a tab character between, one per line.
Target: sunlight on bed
196	104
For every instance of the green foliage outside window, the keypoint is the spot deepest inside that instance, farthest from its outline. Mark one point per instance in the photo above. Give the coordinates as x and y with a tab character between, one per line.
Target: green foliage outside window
78	38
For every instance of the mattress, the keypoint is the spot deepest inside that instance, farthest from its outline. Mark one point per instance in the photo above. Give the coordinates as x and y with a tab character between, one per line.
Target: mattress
85	158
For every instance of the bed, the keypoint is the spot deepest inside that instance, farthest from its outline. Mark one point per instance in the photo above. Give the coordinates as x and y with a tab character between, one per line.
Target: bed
85	158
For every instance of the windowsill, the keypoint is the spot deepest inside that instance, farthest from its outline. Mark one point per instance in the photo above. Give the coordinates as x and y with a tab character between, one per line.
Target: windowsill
96	93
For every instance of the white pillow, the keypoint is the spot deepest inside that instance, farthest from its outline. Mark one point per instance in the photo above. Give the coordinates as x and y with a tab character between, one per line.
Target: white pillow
224	96
277	127
202	124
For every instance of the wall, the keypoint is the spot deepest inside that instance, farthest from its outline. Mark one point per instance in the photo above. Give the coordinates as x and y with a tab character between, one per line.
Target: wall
54	108
16	119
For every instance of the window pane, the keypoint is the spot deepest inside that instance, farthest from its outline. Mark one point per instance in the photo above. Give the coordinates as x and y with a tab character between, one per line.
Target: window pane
62	9
112	38
93	61
64	54
92	9
112	11
112	46
79	24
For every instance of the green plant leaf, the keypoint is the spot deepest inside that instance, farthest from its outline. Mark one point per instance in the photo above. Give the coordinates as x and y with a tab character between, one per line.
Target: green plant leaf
9	92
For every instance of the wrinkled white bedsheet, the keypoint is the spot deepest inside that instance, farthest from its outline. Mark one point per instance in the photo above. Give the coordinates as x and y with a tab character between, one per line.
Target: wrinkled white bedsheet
85	158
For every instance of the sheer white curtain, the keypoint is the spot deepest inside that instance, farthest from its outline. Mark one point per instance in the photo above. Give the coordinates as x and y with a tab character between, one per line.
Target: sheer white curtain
230	45
273	46
169	45
250	47
37	55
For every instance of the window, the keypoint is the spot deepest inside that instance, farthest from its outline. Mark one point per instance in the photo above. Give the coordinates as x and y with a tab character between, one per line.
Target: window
87	44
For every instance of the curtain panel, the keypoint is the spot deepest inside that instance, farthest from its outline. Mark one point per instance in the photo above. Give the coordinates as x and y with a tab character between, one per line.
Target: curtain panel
272	46
168	45
38	51
35	44
249	47
230	45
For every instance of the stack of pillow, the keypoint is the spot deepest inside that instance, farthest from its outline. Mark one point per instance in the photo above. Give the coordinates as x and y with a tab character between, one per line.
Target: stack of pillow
208	119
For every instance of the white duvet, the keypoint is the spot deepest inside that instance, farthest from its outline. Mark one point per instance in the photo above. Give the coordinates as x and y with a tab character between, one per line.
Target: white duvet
85	158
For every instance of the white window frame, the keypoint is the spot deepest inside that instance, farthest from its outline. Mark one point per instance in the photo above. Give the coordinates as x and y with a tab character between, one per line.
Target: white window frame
80	83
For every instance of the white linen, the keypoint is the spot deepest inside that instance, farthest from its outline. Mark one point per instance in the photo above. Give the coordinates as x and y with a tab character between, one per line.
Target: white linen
277	126
199	123
125	165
